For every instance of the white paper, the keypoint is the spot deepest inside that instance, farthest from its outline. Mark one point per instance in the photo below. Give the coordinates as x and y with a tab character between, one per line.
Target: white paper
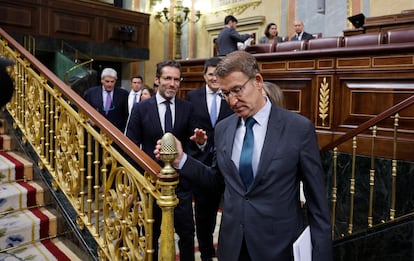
302	247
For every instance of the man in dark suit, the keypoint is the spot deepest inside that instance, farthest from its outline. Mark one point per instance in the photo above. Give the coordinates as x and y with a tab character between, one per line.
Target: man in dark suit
209	108
110	101
262	151
228	38
148	121
300	34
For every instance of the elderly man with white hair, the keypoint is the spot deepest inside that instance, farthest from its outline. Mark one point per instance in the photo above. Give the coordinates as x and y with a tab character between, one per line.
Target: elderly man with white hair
110	101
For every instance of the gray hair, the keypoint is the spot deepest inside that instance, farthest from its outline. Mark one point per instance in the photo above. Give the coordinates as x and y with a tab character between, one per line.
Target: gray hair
109	72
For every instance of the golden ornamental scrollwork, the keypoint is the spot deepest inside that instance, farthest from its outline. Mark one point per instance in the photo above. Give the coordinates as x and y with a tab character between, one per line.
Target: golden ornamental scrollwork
33	112
234	7
69	153
324	100
124	216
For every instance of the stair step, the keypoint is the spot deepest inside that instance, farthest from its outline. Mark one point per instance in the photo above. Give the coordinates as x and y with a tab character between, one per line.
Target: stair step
53	249
26	226
5	142
20	195
14	167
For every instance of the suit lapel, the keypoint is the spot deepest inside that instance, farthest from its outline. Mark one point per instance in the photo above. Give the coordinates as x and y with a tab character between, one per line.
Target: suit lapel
270	147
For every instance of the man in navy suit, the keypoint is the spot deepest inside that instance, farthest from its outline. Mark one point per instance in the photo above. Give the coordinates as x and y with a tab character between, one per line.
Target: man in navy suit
110	101
300	34
228	38
262	153
148	122
209	108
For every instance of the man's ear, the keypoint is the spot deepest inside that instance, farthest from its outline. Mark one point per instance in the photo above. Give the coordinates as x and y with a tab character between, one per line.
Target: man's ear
157	80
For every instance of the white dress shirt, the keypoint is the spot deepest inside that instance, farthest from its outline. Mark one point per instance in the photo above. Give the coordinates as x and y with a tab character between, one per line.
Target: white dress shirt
162	109
132	100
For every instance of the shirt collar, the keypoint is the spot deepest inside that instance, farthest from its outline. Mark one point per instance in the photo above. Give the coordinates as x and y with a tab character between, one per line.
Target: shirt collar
161	99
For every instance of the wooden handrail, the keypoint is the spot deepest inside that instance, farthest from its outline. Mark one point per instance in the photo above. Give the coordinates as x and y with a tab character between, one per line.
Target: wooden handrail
364	126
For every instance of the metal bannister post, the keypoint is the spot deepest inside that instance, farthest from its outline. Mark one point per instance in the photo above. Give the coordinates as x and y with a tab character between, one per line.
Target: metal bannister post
168	180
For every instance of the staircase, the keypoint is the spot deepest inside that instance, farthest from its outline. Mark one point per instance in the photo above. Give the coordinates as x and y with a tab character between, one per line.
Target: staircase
31	227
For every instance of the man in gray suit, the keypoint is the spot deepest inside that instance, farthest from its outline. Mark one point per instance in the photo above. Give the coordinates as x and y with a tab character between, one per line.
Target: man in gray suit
262	152
229	37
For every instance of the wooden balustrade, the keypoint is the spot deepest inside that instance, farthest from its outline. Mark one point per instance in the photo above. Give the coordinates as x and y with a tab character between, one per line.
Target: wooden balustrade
339	88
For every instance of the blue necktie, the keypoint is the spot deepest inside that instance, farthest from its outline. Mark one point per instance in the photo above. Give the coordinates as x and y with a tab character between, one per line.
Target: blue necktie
108	102
245	164
168	117
213	110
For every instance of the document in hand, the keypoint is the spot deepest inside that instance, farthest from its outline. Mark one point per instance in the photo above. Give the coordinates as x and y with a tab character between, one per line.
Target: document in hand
302	247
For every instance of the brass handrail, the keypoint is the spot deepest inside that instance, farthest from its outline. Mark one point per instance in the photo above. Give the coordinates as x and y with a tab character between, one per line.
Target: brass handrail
355	181
112	199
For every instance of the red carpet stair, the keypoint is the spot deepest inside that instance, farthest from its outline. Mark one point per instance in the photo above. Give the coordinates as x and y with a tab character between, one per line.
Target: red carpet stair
28	222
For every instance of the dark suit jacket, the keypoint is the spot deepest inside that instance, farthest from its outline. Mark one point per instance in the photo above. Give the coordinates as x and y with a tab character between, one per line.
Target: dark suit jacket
202	120
305	36
118	115
144	126
227	40
268	216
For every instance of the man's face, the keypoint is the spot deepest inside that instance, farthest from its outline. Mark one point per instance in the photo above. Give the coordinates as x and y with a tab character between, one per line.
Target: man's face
298	27
211	79
168	82
108	83
136	84
233	24
243	94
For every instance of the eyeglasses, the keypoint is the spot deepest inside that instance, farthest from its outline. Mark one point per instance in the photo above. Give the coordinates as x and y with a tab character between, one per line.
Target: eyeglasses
169	79
235	91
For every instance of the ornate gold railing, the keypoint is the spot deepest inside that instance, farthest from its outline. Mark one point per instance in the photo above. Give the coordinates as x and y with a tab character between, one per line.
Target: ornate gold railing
112	199
356	203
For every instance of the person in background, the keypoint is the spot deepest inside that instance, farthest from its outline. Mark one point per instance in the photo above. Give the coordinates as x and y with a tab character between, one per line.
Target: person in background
135	93
146	93
6	82
110	101
270	36
262	152
209	108
300	34
228	37
148	122
274	93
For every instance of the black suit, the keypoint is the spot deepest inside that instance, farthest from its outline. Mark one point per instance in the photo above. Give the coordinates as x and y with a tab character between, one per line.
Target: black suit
305	36
118	114
144	128
206	201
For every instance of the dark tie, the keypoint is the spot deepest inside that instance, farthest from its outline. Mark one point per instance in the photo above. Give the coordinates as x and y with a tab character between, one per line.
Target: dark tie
213	110
168	117
135	98
245	164
108	102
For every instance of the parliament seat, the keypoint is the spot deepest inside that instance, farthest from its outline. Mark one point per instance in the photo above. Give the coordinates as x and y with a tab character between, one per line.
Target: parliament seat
260	48
291	46
363	40
324	43
400	36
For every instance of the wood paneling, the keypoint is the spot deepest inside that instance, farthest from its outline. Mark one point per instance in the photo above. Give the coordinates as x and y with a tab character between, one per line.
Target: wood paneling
340	89
92	24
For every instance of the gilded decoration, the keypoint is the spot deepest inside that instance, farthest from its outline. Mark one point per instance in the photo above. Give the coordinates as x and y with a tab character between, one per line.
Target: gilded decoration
233	7
69	153
324	101
124	215
34	111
